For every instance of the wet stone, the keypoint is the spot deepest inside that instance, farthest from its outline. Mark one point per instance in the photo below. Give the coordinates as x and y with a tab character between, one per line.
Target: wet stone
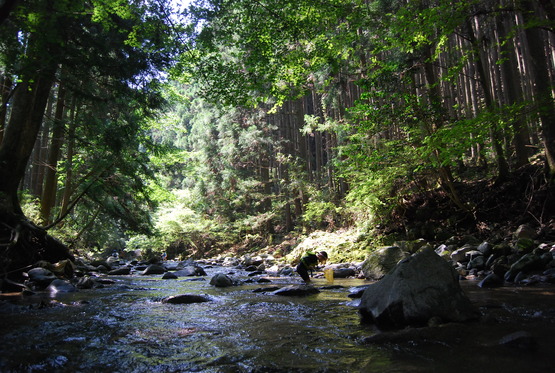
267	289
120	271
169	276
154	269
521	340
186	299
41	276
60	286
221	280
297	290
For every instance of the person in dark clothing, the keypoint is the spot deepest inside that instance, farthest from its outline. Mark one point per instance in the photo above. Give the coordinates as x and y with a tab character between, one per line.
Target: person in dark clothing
309	262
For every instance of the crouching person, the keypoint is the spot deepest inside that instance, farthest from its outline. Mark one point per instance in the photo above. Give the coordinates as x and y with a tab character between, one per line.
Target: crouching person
308	262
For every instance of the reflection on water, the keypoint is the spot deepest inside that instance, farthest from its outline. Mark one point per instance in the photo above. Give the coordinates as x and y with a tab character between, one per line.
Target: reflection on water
126	328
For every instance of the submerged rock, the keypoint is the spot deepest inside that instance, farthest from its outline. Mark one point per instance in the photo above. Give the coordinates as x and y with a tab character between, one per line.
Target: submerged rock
266	289
419	288
186	299
297	290
120	271
521	340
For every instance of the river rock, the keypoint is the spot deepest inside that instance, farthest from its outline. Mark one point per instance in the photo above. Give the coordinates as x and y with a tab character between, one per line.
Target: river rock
526	263
60	286
85	282
186	299
382	261
41	276
525	231
266	289
343	272
189	271
493	280
357	291
459	255
221	280
521	340
297	290
419	288
169	276
485	248
154	269
120	271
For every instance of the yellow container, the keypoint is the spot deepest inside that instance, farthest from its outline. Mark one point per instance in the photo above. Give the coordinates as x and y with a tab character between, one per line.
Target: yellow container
328	274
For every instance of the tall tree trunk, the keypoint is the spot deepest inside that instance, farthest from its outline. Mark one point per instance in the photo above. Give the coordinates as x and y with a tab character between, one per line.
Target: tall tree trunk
19	138
48	199
514	92
543	85
496	138
68	185
5	89
26	242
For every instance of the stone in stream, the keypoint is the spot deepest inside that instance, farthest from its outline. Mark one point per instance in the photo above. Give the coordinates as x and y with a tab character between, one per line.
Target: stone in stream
154	269
85	282
41	276
521	340
343	272
266	289
382	261
419	288
297	290
60	286
221	280
186	299
190	271
169	276
491	281
120	271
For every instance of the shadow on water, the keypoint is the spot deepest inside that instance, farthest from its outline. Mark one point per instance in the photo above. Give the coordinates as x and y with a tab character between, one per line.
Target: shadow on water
126	328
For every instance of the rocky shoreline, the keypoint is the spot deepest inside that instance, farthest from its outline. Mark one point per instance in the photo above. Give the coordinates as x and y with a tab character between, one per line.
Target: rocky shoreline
520	259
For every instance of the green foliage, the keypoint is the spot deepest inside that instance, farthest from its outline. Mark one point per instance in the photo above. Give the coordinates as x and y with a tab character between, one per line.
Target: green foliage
320	213
30	206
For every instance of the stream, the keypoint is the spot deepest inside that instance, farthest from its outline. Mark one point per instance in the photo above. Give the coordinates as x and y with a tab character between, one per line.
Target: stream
124	327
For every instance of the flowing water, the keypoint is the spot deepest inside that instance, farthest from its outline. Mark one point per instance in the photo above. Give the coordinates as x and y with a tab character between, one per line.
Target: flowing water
125	327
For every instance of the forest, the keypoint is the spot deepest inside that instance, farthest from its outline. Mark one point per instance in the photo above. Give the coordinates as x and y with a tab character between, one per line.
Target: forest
191	129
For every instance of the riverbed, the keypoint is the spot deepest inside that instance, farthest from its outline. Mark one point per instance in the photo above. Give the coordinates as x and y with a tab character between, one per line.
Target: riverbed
125	327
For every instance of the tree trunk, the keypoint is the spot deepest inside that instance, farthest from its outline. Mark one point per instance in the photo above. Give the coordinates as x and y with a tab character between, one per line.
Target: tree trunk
5	89
25	243
68	185
496	138
48	199
543	86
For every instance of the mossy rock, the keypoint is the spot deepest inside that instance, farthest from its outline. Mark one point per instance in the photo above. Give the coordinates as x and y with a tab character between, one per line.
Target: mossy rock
383	260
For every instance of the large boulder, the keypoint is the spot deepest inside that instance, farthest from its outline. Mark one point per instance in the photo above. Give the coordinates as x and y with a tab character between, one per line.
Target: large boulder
382	261
419	288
